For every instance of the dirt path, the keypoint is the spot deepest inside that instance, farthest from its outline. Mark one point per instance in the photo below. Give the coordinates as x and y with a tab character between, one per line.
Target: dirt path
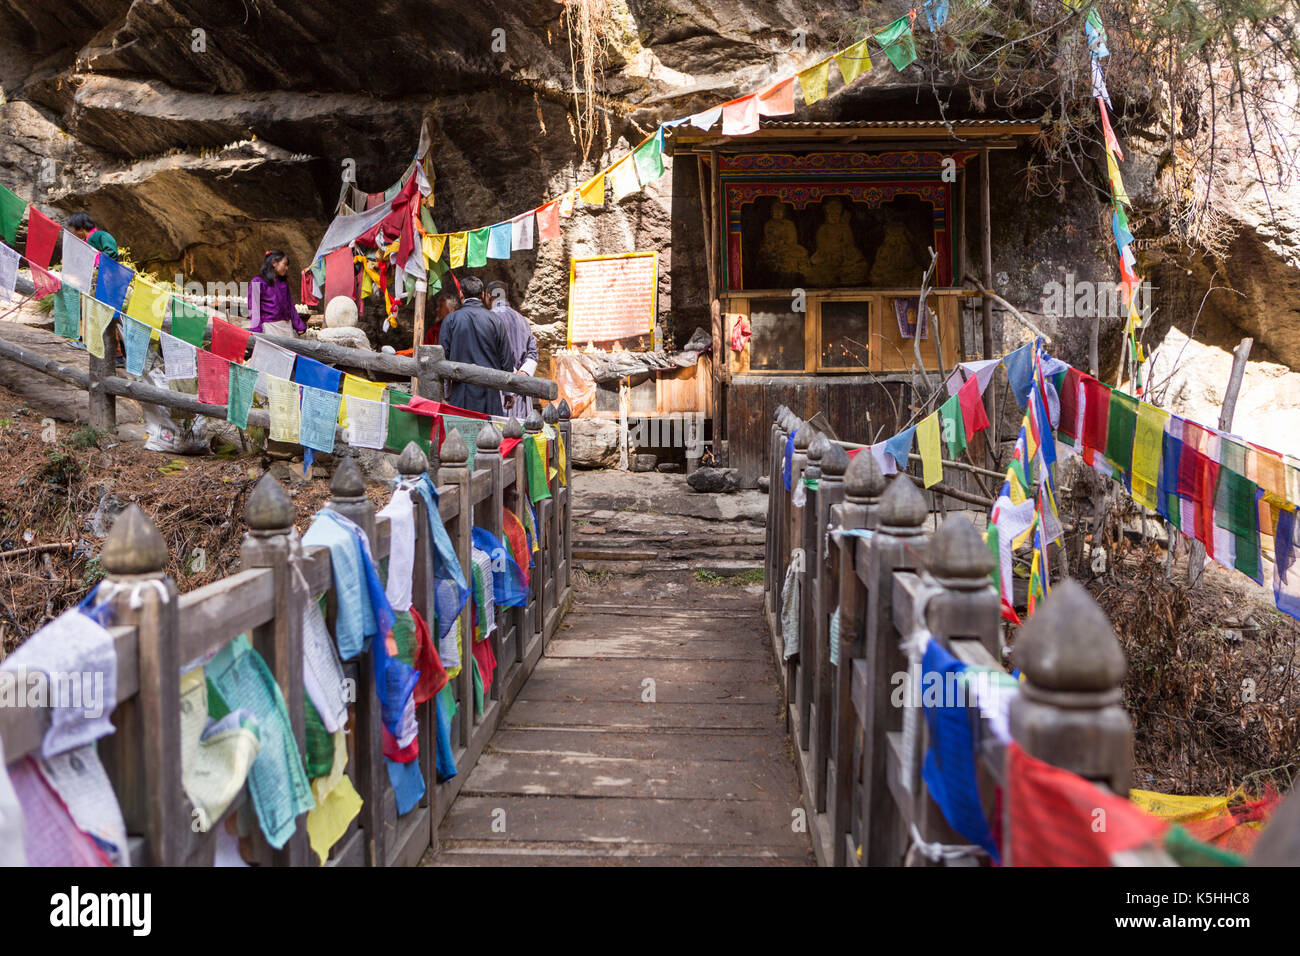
652	732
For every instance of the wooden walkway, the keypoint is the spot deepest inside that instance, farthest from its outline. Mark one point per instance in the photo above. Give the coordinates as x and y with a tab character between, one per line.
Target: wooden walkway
583	771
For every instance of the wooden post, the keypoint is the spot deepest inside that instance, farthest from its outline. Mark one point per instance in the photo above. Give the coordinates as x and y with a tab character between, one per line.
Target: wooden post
812	575
898	545
1070	709
825	600
427	383
270	517
143	757
1196	557
102	410
863	485
455	468
417	339
565	427
986	248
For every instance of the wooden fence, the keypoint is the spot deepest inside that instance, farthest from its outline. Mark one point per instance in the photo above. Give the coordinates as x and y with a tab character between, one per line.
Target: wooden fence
860	545
164	630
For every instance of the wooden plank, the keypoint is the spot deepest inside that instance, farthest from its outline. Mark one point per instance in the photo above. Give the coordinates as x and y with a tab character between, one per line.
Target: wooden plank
697	744
643	854
650	647
597	687
615	715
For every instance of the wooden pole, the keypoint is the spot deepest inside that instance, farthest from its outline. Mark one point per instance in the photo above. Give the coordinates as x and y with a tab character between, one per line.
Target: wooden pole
102	411
421	294
1196	559
986	248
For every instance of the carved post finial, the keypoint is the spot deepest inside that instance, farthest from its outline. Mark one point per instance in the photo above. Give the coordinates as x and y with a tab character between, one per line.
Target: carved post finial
412	461
958	556
566	413
533	423
803	437
513	428
134	545
863	481
348	481
551	414
902	506
835	461
489	438
269	508
454	451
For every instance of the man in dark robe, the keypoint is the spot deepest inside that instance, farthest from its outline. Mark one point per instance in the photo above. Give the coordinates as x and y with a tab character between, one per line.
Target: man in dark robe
474	335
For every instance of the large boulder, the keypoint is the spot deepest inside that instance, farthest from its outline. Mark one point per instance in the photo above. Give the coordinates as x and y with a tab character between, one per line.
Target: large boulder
594	443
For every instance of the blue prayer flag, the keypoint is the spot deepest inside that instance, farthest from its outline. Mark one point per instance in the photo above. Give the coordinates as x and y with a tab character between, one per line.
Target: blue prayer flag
499	241
113	281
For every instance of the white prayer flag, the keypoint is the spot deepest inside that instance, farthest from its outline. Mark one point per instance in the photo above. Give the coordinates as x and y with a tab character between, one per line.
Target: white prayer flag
78	262
367	422
8	272
707	118
622	178
179	357
271	361
286	416
521	232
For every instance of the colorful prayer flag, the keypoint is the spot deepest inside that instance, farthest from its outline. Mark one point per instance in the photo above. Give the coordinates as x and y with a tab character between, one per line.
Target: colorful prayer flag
214	377
458	242
927	445
498	246
740	117
649	157
42	234
521	232
189	322
12	208
285	409
706	118
229	340
777	100
897	42
78	261
954	427
135	341
239	393
67	312
814	81
9	259
972	408
476	252
622	178
97	317
593	191
548	221
853	61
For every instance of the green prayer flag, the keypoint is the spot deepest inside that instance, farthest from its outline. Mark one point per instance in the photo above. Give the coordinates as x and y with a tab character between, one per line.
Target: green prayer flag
469	429
189	322
12	208
1236	509
447	697
404	427
952	426
404	636
426	220
319	743
478	688
239	397
476	251
898	43
649	158
538	488
67	312
1121	424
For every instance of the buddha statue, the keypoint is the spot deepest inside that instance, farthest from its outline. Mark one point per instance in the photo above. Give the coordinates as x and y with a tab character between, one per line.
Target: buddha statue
837	260
780	252
896	265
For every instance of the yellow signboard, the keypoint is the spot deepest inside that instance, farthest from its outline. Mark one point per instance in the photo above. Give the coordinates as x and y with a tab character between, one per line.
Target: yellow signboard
612	298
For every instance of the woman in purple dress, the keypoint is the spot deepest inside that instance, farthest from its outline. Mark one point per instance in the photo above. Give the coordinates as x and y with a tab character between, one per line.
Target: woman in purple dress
270	301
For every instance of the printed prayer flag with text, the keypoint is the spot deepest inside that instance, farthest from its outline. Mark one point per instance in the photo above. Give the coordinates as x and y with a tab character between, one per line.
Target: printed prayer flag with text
214	377
927	446
853	61
814	81
239	393
148	302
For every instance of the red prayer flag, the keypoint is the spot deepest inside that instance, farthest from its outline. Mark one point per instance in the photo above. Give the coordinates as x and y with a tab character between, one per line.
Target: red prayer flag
214	377
1109	134
46	282
512	529
432	674
340	275
305	295
777	100
1060	819
42	234
972	407
1069	421
399	755
548	221
229	340
487	660
1096	413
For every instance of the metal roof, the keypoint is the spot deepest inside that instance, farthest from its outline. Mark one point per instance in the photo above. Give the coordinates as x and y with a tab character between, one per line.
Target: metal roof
889	124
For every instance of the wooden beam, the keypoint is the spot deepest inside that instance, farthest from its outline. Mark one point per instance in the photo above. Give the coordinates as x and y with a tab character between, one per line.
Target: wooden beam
986	248
417	339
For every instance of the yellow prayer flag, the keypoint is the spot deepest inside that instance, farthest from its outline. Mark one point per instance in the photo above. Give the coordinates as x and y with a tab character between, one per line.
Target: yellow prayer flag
360	388
1148	443
559	446
1116	181
96	316
148	304
853	61
1177	808
459	240
594	191
433	246
927	444
814	81
337	802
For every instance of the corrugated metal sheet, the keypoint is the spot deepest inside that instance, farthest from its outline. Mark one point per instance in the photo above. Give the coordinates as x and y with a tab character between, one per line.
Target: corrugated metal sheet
890	124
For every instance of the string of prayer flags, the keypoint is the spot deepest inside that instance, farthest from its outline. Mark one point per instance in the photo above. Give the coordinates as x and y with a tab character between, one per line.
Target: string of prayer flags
285	412
593	191
548	221
521	232
189	322
8	272
67	312
320	412
97	317
777	100
229	340
78	261
240	388
214	377
649	156
853	61
457	245
42	234
12	208
927	441
622	178
740	117
498	246
898	43
240	680
814	81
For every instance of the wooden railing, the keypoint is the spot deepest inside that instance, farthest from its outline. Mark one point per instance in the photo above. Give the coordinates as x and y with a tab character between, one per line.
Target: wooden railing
161	630
860	546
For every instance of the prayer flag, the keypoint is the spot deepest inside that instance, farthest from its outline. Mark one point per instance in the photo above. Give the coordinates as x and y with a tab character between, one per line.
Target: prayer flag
548	221
1116	181
148	302
567	202
405	427
229	340
189	322
954	427
433	245
12	208
740	117
927	442
97	317
1096	412
309	372
320	412
814	81
270	360
900	446
1099	91
340	275
897	42
972	408
521	232
67	313
853	61
354	387
285	413
706	118
1148	446
46	282
367	422
777	100
476	253
936	12
214	378
135	341
622	178
78	261
498	246
1120	425
649	157
1286	576
1108	134
8	272
1237	512
42	234
458	242
593	191
239	393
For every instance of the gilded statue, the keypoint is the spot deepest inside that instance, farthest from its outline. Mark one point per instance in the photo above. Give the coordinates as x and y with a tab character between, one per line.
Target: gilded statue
837	260
896	265
780	251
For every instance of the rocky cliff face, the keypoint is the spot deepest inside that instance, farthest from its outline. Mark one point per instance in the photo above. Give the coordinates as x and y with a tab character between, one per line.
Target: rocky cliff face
202	132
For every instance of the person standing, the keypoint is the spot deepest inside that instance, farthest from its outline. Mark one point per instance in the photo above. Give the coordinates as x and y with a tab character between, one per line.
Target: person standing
475	335
270	300
81	225
444	304
523	346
